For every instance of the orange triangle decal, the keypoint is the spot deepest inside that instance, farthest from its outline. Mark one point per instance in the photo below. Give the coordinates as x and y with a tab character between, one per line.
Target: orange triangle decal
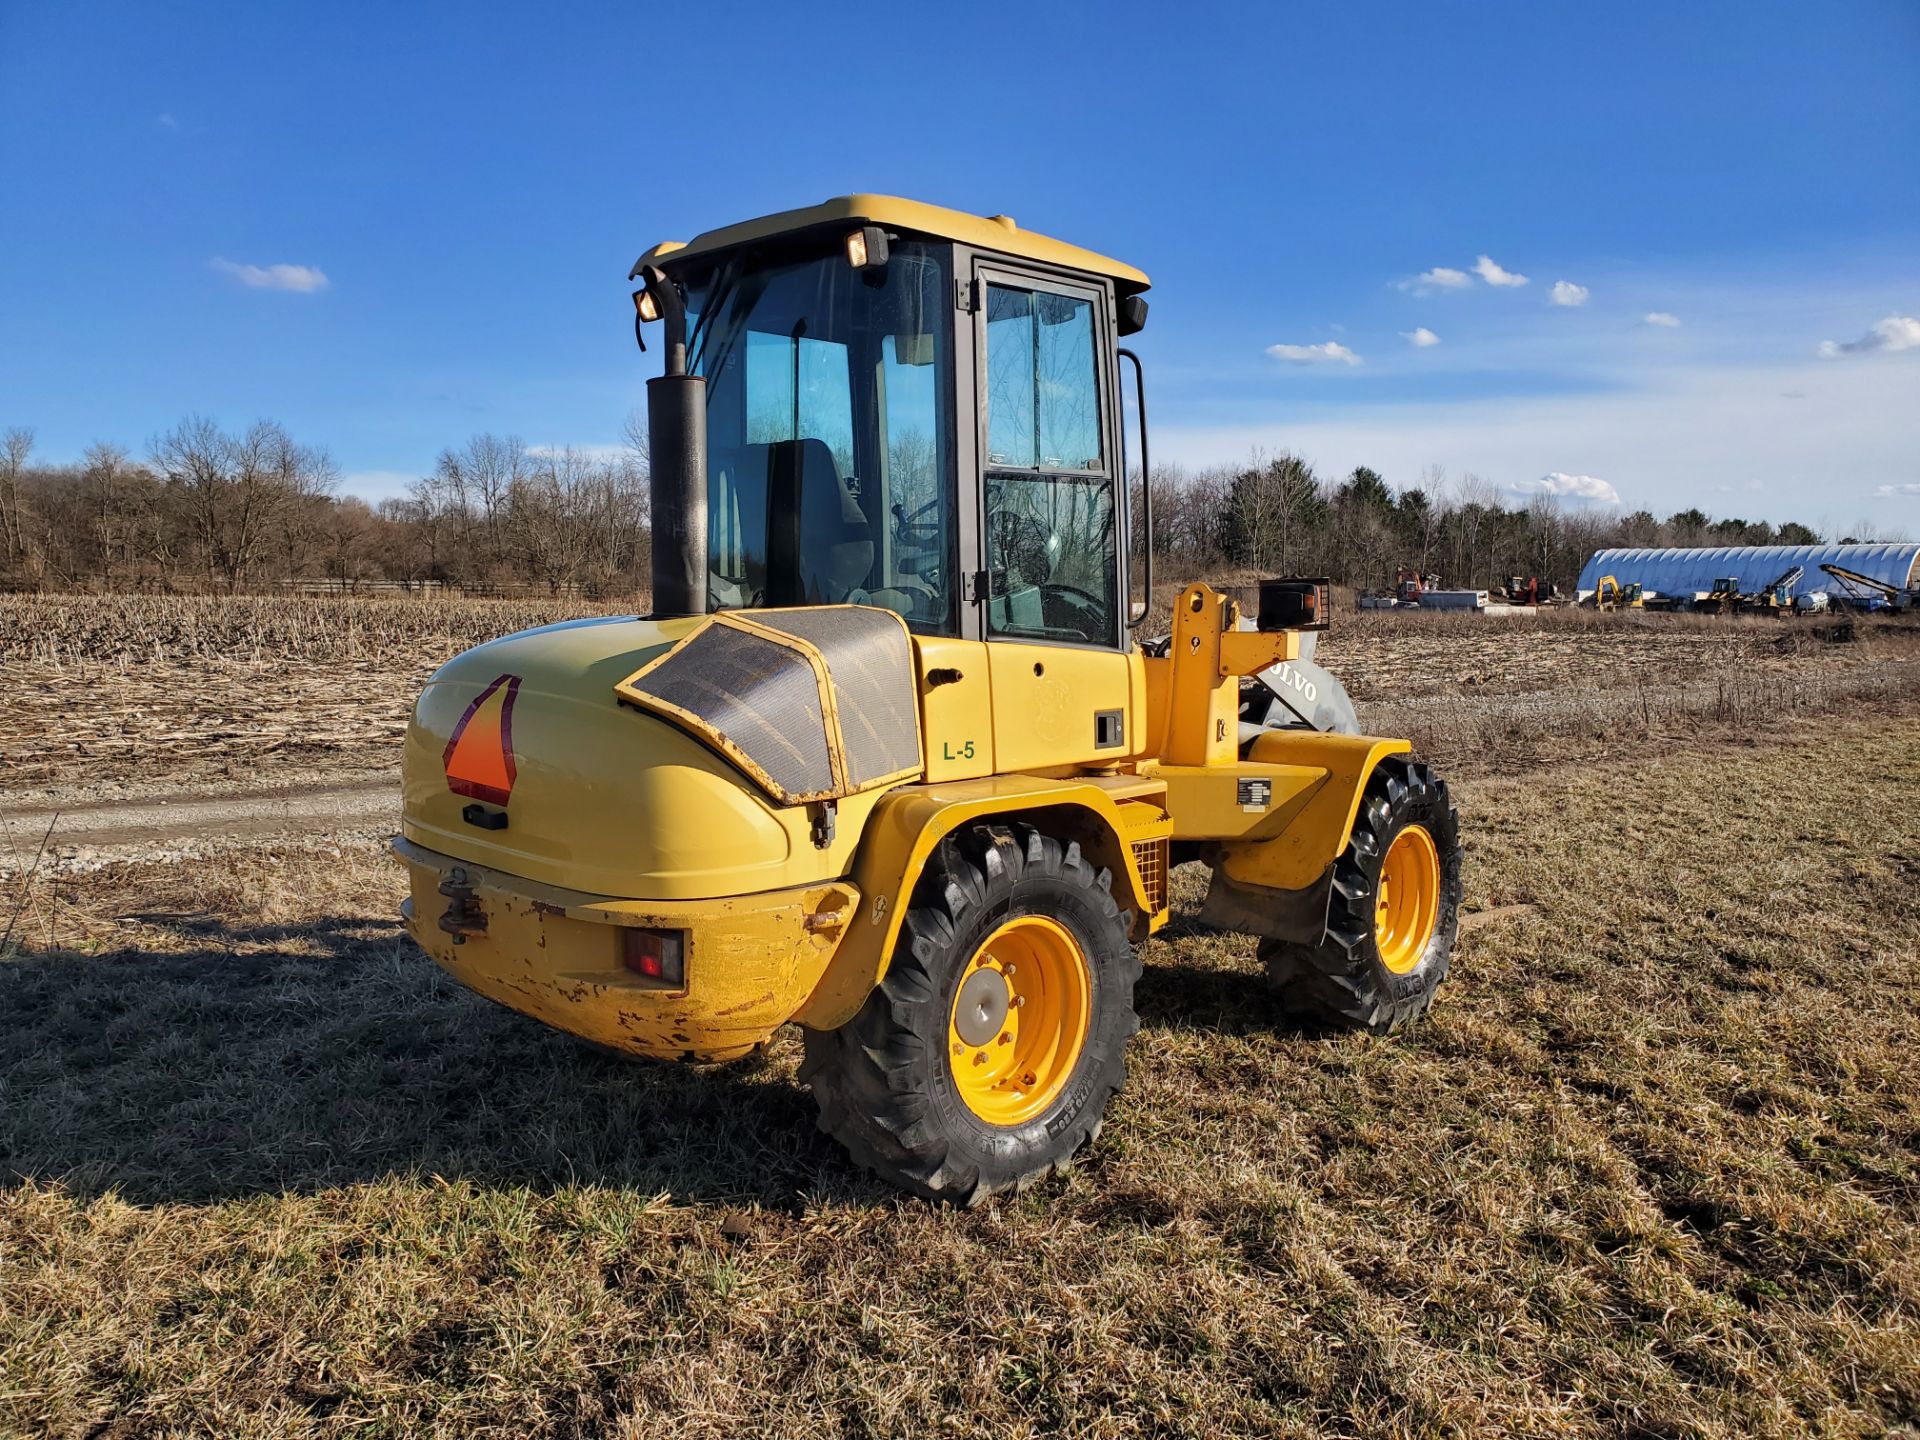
479	757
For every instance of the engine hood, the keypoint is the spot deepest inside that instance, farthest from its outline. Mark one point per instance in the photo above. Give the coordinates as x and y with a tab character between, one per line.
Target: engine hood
526	734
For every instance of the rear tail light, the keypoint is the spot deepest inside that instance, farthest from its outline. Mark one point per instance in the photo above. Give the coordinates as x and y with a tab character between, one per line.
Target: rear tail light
657	956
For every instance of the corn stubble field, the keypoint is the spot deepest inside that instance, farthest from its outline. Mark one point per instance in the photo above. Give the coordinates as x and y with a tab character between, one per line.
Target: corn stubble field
1651	1168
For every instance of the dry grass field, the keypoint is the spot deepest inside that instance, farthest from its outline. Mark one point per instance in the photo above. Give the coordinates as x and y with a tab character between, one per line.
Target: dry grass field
1650	1169
132	693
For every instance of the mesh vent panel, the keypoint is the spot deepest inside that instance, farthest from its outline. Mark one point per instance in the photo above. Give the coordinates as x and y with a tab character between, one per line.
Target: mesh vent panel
761	696
1151	857
870	661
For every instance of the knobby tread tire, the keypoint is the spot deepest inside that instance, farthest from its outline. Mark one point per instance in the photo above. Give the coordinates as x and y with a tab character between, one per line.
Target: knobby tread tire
1341	982
883	1081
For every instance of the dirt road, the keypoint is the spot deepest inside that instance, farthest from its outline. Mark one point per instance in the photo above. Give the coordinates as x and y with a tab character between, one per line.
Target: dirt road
90	833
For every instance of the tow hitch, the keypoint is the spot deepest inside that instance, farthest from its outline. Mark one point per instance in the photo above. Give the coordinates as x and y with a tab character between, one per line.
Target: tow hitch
464	916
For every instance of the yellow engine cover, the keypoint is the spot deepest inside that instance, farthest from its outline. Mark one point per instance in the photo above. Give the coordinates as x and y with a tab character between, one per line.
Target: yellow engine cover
596	796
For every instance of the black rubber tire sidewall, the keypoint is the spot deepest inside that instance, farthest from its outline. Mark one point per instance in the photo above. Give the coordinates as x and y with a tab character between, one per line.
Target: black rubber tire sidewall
1010	1151
1342	981
883	1080
1430	811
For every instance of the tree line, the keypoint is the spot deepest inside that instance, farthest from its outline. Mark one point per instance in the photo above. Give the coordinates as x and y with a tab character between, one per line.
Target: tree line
1276	515
205	508
212	509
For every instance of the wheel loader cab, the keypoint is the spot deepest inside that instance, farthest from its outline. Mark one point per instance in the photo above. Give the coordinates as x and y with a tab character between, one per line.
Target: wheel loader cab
830	424
932	431
884	760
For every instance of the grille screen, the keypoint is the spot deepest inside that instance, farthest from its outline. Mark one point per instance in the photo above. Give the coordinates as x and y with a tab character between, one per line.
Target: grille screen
746	683
757	694
870	660
1151	857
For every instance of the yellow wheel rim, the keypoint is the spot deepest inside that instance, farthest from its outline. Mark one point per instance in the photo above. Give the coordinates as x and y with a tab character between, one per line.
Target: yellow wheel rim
1019	1020
1409	904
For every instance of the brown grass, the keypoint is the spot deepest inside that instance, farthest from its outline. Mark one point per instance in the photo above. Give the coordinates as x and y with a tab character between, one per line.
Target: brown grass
1650	1168
83	632
209	690
178	687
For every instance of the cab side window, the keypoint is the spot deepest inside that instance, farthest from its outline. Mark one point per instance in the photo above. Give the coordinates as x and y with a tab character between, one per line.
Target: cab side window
1052	560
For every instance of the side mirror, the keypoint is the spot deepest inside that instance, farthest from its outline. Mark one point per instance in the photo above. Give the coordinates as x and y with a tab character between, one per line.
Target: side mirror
1133	314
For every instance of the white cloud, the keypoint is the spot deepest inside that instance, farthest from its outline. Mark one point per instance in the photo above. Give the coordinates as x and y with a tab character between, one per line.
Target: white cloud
1565	292
166	120
1330	353
1420	338
1485	268
301	279
1559	485
1896	332
1664	437
1887	492
1661	318
1441	277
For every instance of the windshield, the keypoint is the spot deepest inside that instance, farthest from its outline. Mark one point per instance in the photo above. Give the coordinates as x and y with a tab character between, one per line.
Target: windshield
829	432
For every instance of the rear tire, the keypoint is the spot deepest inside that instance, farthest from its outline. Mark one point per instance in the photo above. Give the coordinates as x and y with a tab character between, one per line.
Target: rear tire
1373	970
1040	1042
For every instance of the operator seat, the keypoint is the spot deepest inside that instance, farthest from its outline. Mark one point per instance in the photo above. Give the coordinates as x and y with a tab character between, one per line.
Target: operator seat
819	546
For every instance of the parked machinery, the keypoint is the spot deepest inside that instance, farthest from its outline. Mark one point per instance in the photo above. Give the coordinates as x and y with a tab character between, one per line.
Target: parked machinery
886	760
1610	594
1531	590
1776	598
1863	592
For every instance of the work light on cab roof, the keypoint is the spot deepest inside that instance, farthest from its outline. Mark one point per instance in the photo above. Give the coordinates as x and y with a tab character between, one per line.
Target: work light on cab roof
894	756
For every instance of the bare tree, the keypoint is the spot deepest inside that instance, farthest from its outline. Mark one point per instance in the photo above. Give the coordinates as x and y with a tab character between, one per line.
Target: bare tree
105	479
16	445
236	489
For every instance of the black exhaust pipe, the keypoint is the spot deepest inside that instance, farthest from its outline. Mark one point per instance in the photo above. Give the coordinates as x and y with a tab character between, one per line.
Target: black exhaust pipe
677	466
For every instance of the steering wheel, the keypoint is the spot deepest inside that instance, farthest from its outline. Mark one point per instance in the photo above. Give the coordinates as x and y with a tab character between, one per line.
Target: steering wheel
1018	547
1094	602
912	527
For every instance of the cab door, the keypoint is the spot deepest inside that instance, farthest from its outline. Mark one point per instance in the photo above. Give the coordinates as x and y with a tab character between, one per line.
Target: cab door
1050	591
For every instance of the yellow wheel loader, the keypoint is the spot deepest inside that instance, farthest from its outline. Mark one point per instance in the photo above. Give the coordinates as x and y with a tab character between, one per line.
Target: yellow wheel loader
887	760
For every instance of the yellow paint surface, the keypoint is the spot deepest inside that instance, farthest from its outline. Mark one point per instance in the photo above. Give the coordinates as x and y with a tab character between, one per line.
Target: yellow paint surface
980	231
556	955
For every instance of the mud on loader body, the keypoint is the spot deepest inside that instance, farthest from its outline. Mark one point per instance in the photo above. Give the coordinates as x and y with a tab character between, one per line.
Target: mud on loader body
886	760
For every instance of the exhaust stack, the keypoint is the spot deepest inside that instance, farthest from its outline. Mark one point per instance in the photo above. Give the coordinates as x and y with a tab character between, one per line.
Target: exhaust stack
677	465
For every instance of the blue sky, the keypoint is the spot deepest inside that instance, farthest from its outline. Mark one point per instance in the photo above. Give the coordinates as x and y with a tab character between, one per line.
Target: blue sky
471	183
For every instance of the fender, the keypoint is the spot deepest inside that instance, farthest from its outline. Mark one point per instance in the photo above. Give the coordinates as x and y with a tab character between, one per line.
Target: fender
1297	857
1280	887
911	820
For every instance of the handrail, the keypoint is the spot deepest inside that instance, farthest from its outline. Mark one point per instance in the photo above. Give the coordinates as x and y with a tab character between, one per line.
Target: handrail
1146	485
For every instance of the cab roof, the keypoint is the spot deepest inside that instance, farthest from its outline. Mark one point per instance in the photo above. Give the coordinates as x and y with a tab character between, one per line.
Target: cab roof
982	232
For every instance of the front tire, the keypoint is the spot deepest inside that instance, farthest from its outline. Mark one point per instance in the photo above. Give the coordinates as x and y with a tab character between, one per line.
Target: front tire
1393	915
986	1057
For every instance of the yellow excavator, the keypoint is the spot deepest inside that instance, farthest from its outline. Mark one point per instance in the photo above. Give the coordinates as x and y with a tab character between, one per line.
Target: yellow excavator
1610	594
887	759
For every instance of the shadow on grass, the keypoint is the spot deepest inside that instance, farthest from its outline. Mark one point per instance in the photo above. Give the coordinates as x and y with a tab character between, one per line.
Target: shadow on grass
1225	1002
295	1058
1232	1000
